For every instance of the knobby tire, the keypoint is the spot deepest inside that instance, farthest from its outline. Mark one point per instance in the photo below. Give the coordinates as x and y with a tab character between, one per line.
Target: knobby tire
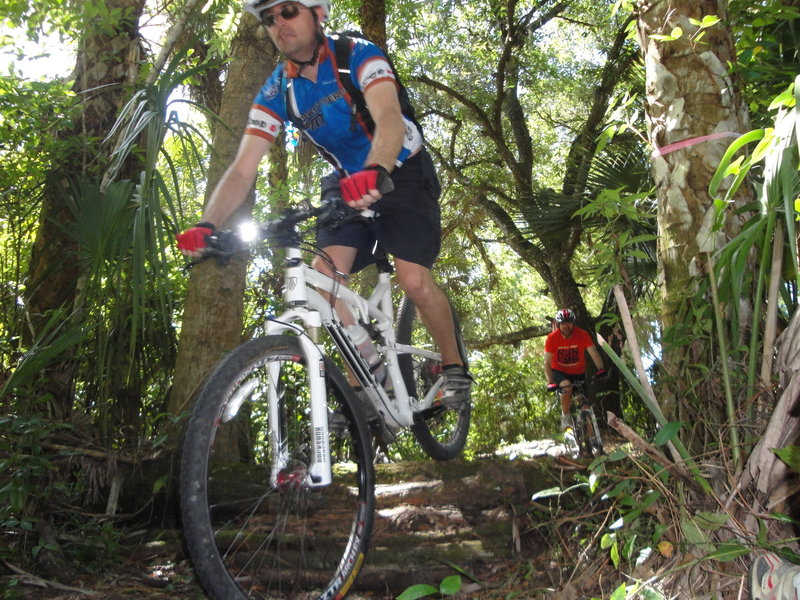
247	539
441	431
589	445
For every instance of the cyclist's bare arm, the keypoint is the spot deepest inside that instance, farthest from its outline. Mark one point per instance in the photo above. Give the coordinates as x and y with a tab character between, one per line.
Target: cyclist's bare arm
384	108
548	362
596	358
237	180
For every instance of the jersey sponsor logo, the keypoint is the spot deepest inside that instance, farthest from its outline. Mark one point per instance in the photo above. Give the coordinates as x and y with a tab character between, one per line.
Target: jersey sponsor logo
568	356
313	118
259	120
374	70
268	93
413	138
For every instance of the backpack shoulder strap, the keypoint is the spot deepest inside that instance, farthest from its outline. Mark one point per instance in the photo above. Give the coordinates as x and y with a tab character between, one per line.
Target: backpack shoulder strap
343	51
288	97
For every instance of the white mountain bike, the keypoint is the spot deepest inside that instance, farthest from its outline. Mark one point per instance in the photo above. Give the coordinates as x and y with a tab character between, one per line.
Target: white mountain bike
277	474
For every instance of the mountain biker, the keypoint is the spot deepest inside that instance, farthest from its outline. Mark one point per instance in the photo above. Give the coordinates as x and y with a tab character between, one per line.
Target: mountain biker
387	169
565	361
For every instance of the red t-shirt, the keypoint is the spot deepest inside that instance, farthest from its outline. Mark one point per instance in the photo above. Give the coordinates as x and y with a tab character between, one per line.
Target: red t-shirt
568	353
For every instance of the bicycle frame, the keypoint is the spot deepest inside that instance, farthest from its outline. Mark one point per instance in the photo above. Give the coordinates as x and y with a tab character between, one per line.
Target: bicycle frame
580	404
309	309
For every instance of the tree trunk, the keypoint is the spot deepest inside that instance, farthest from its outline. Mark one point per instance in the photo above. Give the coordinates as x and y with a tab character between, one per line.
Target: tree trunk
373	21
107	64
212	320
690	94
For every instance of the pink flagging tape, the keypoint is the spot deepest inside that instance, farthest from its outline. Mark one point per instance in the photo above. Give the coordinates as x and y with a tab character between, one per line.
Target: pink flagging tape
691	142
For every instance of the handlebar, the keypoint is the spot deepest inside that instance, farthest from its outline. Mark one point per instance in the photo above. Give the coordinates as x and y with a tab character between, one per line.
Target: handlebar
578	385
332	212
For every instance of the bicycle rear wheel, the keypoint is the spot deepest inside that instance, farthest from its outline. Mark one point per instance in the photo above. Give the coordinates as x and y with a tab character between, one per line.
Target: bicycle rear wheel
440	430
247	538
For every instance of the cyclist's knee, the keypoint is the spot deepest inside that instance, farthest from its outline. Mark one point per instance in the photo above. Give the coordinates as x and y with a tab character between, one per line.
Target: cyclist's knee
342	261
326	269
417	283
320	265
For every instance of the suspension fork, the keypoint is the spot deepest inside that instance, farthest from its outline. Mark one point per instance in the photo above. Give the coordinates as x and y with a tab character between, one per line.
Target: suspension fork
319	471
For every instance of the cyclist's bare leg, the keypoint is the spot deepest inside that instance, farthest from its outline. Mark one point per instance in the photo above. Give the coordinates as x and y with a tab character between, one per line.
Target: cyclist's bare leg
434	309
566	396
343	258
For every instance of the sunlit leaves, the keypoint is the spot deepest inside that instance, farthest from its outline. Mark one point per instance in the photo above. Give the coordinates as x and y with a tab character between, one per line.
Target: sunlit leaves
791	456
450	586
667	433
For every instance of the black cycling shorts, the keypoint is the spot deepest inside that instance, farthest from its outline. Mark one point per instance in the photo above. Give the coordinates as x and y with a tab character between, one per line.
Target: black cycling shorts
408	225
560	376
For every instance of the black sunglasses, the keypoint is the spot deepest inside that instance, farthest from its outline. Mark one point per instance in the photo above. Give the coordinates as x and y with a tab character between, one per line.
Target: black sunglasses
287	12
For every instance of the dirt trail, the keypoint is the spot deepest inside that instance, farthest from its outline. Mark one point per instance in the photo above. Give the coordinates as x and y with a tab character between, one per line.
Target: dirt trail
433	519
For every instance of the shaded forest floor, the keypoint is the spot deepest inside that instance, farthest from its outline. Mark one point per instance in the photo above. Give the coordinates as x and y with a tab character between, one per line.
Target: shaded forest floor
433	520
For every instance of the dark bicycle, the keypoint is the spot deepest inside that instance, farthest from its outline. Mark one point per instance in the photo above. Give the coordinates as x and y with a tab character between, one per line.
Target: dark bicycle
583	438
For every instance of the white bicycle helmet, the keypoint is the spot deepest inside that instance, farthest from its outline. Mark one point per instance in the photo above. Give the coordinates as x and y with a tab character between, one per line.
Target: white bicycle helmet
256	7
565	315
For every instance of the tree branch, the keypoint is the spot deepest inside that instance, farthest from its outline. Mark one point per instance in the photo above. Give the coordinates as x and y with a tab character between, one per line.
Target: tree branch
510	339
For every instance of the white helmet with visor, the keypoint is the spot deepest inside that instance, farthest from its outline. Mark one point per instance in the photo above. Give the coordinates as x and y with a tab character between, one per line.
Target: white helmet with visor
256	7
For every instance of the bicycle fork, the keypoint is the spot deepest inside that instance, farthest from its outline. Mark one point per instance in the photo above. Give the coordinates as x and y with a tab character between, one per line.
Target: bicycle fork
286	474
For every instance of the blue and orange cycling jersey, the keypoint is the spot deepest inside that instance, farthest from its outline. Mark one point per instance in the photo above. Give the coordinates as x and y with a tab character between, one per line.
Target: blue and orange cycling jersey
323	109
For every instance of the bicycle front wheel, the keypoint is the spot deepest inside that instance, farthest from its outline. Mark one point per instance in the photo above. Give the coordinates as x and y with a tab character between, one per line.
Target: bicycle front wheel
589	437
250	539
594	442
440	430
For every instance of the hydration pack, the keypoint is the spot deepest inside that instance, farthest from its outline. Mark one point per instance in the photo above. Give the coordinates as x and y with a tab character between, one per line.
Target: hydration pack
343	51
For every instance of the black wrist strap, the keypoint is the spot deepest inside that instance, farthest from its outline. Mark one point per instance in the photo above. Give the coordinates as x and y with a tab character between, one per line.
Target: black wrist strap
379	168
206	224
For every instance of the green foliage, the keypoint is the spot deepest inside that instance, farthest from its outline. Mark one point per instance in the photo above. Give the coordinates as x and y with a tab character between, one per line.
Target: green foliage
790	455
58	337
768	47
31	114
125	308
449	586
41	484
37	17
510	404
626	505
627	233
26	484
777	187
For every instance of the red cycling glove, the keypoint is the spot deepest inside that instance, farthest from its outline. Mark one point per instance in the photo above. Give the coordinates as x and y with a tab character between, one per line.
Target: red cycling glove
600	373
552	387
194	239
357	185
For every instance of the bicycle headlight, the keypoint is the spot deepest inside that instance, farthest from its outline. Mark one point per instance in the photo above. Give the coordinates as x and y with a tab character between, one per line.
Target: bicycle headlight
248	231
